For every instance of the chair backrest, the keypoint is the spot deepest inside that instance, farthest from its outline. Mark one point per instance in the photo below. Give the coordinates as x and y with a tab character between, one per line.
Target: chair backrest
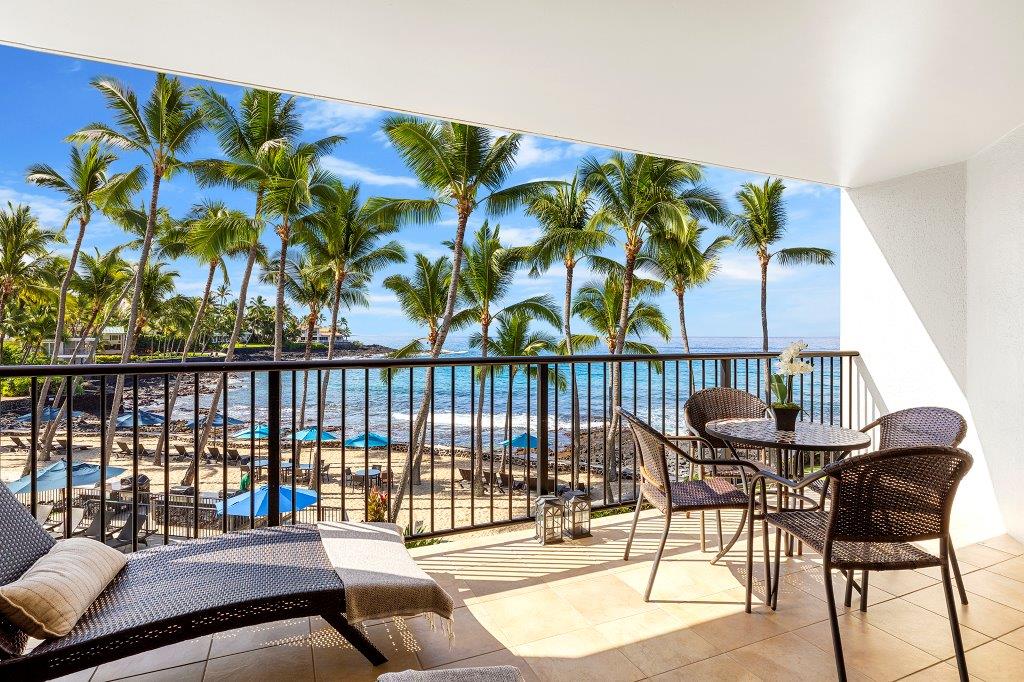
181	450
709	404
895	495
920	426
23	541
655	484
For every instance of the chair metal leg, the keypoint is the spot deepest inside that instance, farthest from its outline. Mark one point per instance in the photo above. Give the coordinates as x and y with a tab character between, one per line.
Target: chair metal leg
954	621
837	642
776	570
724	549
863	591
355	637
849	588
657	557
632	529
767	562
750	559
956	572
703	539
718	521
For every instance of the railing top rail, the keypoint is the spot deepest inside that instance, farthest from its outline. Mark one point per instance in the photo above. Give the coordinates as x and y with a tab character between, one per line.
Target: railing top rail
172	367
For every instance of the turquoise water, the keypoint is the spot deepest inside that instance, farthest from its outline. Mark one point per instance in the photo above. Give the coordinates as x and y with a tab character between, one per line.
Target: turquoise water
651	391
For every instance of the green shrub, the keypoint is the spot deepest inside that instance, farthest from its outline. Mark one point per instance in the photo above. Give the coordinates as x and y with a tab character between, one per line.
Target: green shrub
16	386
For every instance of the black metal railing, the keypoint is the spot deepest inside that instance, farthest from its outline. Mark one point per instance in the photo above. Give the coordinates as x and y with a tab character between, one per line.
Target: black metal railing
486	437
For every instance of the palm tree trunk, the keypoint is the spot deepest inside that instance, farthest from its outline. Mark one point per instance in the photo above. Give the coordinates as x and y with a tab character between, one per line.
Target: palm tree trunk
285	233
192	334
62	300
229	354
681	297
764	303
633	245
310	324
480	407
133	315
567	333
3	331
415	456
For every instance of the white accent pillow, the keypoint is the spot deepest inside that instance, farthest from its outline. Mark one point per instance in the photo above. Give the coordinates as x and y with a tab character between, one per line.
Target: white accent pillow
60	586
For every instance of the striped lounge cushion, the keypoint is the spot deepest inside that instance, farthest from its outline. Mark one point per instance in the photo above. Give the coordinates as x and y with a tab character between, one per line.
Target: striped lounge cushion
60	586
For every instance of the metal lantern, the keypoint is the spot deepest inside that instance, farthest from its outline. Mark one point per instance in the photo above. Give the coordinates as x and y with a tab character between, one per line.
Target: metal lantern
548	514
576	514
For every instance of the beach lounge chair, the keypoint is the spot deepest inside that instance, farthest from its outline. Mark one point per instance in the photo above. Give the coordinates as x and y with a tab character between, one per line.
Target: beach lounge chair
162	595
56	525
465	478
19	443
123	537
62	445
183	453
43	513
124	450
510	483
325	473
234	455
212	453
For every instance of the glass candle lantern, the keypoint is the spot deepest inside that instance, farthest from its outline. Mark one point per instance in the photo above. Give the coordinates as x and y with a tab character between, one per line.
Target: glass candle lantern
548	517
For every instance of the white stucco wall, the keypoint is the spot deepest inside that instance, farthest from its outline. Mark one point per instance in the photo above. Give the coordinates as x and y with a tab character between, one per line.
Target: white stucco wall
905	280
995	316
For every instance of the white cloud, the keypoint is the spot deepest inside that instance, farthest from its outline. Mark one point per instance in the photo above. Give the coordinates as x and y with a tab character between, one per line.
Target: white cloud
51	212
796	188
519	236
431	251
534	151
354	171
743	267
337	118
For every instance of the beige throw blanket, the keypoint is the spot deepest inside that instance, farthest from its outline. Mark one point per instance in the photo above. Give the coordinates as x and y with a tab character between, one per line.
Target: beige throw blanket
381	578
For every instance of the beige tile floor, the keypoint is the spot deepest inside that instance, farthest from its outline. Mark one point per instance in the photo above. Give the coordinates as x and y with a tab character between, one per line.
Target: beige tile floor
575	612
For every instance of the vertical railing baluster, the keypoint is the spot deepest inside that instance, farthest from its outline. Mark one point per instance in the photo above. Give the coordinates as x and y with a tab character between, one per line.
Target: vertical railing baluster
274	448
252	449
344	462
542	429
507	445
224	452
296	454
590	426
390	474
135	462
491	451
366	443
451	450
433	451
556	429
473	454
319	442
104	456
529	386
167	457
605	483
195	454
67	454
33	455
411	459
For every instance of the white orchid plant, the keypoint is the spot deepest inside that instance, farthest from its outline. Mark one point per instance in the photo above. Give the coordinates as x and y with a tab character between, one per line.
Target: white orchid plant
790	365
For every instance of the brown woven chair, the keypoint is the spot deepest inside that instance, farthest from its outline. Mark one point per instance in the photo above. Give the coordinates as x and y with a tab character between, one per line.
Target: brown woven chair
708	405
880	503
668	496
172	593
915	426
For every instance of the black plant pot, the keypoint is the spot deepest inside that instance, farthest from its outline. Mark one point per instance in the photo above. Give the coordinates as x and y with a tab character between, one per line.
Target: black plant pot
785	418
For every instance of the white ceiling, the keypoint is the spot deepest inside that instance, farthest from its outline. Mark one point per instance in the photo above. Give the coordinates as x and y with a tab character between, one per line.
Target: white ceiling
844	92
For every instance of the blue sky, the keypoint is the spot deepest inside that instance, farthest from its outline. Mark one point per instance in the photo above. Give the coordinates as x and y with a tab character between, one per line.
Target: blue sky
44	97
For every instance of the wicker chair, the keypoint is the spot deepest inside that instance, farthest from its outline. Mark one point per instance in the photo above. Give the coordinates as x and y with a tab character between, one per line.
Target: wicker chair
708	405
172	593
667	496
915	426
880	503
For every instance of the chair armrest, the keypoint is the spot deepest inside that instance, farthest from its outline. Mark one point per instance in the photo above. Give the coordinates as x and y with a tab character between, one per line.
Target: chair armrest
791	484
868	427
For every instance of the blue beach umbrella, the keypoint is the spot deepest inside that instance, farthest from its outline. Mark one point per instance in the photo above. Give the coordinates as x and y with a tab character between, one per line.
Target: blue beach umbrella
309	434
373	440
522	441
48	414
261	432
218	421
239	505
126	420
55	477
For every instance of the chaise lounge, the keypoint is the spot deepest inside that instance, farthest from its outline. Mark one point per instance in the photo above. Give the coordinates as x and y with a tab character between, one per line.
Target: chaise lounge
172	593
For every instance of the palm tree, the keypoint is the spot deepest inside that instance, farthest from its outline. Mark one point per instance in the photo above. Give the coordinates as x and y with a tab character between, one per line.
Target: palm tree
265	121
598	304
514	338
642	196
260	320
572	232
100	280
157	285
24	251
163	129
678	259
296	185
86	187
487	277
309	285
343	237
464	167
212	233
759	225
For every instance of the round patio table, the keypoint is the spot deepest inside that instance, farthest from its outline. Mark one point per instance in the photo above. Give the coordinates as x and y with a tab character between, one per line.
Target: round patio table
807	437
373	474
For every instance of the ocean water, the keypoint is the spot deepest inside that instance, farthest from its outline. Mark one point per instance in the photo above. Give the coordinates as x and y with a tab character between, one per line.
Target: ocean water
357	400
